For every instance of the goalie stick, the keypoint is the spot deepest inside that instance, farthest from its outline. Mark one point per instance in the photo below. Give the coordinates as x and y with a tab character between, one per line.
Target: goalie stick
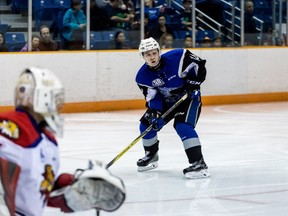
146	131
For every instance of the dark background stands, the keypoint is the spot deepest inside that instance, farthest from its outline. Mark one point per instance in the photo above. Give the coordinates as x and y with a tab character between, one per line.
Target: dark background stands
3	47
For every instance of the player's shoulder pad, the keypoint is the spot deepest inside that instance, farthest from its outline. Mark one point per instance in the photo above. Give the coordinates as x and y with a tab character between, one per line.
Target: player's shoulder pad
18	127
50	135
145	76
174	53
194	58
174	57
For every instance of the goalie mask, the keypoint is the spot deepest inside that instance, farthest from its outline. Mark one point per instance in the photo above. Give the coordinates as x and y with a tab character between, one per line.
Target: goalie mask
41	91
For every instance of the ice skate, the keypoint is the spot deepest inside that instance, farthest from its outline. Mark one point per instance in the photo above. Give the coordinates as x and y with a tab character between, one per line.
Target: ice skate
148	162
198	169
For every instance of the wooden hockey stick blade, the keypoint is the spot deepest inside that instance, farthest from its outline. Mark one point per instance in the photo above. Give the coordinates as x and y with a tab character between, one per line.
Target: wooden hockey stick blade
146	131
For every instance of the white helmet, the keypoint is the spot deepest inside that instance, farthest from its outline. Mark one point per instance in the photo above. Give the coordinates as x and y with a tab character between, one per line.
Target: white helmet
40	90
147	45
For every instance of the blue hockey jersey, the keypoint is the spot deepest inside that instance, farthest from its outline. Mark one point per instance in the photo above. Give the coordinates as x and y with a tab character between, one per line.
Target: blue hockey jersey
167	84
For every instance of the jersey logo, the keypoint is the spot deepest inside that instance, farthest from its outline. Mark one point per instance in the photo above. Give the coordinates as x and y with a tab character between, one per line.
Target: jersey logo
10	129
47	183
157	82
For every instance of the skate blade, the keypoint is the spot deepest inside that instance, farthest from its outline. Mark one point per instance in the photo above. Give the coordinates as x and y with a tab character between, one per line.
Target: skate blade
197	175
151	166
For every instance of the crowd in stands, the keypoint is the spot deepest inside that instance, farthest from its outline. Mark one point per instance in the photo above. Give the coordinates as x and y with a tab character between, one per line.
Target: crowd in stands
34	45
46	44
170	27
3	46
120	41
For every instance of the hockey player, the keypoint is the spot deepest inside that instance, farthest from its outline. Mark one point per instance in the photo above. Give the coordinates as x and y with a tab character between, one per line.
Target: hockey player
29	159
163	80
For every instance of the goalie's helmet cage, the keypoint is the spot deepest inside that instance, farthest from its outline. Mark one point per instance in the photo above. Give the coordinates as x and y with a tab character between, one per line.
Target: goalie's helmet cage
147	45
40	90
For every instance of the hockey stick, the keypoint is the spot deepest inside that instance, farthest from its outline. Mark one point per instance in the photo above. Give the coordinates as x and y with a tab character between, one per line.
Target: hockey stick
146	131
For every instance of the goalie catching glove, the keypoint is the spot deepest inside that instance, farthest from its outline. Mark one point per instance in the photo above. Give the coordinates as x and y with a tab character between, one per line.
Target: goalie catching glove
94	188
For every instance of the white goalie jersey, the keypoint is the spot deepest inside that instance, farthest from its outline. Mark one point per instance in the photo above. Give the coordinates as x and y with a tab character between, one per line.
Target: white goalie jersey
29	164
29	180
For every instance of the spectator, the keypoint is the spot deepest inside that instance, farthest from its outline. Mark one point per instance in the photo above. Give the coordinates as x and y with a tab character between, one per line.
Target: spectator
153	12
3	47
74	24
160	28
120	40
188	41
217	42
186	13
271	38
206	42
250	30
129	6
99	20
166	41
136	25
123	12
268	37
46	44
35	44
129	9
117	16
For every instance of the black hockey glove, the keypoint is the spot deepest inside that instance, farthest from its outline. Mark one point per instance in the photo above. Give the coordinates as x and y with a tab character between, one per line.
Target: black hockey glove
192	85
156	120
193	82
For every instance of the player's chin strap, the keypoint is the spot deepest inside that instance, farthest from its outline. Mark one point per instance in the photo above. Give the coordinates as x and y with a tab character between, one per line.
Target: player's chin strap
184	97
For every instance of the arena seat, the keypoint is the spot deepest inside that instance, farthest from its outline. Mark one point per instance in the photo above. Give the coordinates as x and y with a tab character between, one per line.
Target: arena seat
15	41
4	28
